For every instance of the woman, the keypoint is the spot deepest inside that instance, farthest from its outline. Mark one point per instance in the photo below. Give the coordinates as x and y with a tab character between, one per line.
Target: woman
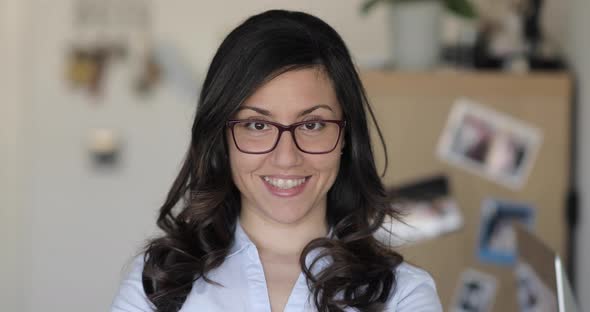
278	199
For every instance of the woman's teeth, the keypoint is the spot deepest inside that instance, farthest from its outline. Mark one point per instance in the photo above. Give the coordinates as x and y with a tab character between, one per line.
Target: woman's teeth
284	183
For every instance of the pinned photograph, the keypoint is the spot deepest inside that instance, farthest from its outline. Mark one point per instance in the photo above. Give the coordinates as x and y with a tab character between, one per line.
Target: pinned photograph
489	143
428	210
532	293
497	238
475	293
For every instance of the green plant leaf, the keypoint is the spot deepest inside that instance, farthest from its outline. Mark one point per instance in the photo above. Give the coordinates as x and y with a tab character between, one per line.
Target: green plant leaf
368	5
461	8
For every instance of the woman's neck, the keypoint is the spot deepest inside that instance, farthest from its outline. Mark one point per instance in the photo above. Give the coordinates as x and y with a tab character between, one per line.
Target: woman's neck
271	237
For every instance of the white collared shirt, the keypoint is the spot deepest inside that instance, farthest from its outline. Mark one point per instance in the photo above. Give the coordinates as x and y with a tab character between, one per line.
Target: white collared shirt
244	286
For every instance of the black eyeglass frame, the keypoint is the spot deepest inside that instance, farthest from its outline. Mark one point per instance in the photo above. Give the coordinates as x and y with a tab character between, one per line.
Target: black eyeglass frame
289	128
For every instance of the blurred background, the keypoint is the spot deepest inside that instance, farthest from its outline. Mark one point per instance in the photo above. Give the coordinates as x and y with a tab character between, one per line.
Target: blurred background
97	99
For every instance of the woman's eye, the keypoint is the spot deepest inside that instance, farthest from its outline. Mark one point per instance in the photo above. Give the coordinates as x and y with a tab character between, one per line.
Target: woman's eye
256	125
313	125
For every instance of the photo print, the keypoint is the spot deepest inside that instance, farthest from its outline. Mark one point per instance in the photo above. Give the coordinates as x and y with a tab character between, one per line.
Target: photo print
489	143
497	238
532	293
475	293
428	210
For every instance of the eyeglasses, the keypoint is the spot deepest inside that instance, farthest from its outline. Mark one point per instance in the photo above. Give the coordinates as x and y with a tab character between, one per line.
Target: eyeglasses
261	136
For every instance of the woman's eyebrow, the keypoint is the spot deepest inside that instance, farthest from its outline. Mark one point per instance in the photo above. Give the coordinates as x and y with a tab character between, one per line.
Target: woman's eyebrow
256	109
311	109
303	113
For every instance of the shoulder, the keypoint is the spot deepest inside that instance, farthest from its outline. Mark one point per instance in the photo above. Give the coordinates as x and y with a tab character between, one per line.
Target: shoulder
131	295
415	291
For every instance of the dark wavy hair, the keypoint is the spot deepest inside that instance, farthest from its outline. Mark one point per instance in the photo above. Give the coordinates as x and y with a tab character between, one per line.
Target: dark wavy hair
201	209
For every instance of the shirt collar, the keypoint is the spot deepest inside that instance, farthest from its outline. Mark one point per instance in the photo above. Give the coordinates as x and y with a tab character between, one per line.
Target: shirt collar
241	240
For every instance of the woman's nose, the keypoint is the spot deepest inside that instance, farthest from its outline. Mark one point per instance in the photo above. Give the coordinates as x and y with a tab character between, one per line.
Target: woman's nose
286	154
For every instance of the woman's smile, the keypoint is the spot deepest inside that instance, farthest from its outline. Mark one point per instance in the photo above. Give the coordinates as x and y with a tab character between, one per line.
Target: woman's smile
285	186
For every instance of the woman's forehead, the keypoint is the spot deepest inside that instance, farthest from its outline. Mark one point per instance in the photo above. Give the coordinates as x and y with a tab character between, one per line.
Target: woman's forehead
296	92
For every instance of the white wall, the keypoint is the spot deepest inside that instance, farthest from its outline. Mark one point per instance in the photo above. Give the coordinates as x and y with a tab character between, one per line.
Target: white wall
14	248
579	50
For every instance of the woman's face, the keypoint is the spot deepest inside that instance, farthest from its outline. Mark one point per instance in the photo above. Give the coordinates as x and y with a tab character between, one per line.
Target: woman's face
286	185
